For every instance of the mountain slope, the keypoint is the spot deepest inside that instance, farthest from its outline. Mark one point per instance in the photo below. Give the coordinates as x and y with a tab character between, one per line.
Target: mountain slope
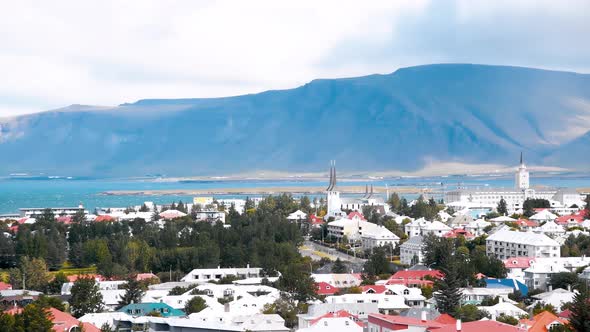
455	112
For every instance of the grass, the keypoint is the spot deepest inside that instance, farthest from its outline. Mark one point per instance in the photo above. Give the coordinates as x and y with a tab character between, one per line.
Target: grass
69	271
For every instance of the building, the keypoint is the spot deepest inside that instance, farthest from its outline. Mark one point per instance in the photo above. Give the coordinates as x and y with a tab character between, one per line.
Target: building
542	322
205	275
411	251
479	326
355	228
58	211
504	244
386	303
383	323
490	197
360	310
145	309
337	205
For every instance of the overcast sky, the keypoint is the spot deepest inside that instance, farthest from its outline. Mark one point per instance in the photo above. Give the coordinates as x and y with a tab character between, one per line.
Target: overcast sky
57	53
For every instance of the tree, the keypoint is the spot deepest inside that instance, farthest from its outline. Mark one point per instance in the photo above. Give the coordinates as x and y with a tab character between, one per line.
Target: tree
377	263
532	203
438	251
508	320
134	291
297	282
580	310
448	295
470	313
564	280
106	328
36	318
502	207
34	272
196	304
394	203
85	297
54	286
50	302
338	266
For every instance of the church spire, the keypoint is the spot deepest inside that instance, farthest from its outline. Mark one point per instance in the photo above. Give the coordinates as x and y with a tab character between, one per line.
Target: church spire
521	157
332	183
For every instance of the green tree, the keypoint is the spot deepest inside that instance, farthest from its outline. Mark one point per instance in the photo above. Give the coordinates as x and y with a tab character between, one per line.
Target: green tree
297	282
438	251
50	302
564	280
580	310
507	320
502	207
469	313
36	318
134	291
106	328
339	266
394	203
85	297
34	272
448	295
377	263
196	304
54	286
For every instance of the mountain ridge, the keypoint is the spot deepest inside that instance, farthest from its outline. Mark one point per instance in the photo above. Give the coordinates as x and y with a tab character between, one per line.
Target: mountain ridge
465	113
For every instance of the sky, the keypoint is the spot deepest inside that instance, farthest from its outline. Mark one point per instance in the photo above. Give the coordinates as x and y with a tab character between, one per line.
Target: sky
57	53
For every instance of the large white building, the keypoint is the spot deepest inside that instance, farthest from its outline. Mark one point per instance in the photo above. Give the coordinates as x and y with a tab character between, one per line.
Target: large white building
504	244
355	228
488	198
410	252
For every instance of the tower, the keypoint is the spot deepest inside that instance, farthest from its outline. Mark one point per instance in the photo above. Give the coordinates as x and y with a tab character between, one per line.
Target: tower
333	195
522	176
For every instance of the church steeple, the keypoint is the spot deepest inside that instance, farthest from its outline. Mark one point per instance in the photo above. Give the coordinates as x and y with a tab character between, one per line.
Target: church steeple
521	157
332	183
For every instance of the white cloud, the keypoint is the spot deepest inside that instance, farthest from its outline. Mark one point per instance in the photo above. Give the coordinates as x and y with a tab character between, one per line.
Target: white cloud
55	53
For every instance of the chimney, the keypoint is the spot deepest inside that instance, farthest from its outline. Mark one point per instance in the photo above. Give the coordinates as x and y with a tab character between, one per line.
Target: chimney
550	287
226	307
248	265
458	325
569	288
423	315
493	317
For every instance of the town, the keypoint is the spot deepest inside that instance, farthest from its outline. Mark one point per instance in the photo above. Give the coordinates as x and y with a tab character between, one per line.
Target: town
478	260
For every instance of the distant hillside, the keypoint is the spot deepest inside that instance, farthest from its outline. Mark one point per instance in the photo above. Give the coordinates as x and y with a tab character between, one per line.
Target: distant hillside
455	112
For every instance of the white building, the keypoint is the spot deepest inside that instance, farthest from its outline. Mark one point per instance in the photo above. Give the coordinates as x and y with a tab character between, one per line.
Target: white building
543	216
357	229
297	216
337	204
386	303
57	211
550	228
477	227
490	197
504	244
421	227
204	275
411	251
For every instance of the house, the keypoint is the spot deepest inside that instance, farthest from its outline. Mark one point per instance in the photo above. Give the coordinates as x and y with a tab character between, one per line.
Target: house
542	322
478	326
435	228
477	227
386	303
556	298
18	297
209	215
454	233
334	322
5	286
382	323
108	318
324	288
360	310
517	265
504	244
514	284
414	228
145	309
315	221
63	321
205	275
538	275
550	228
474	295
543	216
297	216
526	224
242	323
411	251
503	308
339	280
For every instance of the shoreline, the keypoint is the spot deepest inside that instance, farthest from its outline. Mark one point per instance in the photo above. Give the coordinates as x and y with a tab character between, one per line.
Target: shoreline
263	191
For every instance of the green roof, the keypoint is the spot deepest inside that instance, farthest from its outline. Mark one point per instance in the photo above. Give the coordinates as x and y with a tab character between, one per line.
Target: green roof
143	309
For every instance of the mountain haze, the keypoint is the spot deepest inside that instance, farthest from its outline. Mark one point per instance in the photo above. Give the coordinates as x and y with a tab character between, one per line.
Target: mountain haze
401	121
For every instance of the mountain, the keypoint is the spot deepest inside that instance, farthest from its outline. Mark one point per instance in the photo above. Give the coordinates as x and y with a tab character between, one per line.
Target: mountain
400	121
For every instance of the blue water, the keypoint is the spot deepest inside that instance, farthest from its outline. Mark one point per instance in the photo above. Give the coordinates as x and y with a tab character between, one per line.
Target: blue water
19	193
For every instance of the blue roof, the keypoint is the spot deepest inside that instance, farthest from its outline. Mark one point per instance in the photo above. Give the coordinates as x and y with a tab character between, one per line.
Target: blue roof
508	283
142	309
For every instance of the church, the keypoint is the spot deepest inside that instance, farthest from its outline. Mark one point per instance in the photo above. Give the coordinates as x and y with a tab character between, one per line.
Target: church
337	205
488	198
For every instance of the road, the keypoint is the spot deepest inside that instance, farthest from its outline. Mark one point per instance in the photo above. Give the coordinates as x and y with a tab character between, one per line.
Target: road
317	251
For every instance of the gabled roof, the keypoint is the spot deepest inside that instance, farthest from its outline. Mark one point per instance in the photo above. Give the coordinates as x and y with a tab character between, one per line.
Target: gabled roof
445	319
458	232
528	238
324	288
353	214
540	321
416	274
338	314
377	289
518	262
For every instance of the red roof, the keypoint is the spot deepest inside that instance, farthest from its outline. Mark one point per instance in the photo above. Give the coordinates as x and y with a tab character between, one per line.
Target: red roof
458	231
445	319
410	282
402	322
417	274
353	214
480	326
145	276
338	314
104	217
376	289
518	262
565	314
73	278
577	218
541	320
480	276
324	288
315	220
527	223
64	322
5	286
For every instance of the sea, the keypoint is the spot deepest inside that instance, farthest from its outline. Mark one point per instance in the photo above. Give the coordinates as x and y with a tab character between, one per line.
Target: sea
64	191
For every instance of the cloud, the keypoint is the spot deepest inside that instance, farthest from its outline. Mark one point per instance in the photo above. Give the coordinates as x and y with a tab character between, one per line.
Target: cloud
109	52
